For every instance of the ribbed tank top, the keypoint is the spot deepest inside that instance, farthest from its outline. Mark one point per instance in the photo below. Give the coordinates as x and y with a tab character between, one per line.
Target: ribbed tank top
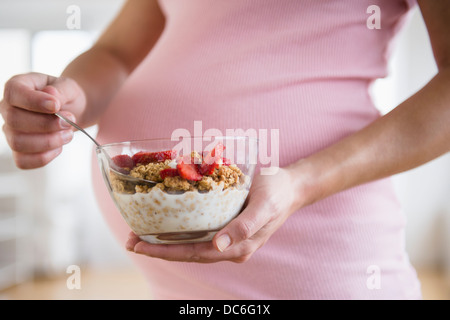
304	68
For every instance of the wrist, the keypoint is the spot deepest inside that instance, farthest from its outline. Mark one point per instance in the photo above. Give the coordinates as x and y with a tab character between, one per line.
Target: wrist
307	182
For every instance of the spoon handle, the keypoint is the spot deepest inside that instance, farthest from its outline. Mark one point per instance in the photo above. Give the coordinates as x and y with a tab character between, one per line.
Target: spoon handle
115	168
77	127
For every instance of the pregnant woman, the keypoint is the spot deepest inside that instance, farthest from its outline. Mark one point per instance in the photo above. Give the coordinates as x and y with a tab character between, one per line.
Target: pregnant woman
327	225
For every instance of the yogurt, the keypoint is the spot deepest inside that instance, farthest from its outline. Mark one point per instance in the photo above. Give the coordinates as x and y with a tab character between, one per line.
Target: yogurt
192	216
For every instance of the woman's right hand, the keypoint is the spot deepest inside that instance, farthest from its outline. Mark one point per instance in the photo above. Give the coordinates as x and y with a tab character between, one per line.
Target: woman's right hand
35	135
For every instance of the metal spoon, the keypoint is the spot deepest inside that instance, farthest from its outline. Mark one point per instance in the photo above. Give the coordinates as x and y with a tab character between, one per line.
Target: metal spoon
114	168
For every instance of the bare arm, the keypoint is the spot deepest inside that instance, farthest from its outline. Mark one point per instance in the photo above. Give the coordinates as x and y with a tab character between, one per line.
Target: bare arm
102	70
412	134
83	91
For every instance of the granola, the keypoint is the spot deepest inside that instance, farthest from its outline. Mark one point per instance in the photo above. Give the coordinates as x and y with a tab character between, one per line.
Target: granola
177	176
150	171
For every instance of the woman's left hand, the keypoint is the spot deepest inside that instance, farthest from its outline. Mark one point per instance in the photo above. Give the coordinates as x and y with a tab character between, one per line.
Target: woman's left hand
272	199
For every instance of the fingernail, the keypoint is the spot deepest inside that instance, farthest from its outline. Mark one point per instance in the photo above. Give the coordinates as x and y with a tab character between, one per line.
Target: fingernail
129	247
67	136
223	242
64	125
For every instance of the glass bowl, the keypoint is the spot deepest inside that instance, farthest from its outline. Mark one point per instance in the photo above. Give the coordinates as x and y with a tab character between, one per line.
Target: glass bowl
200	184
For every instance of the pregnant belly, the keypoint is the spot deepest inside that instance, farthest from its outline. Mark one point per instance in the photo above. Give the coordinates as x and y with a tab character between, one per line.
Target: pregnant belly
294	120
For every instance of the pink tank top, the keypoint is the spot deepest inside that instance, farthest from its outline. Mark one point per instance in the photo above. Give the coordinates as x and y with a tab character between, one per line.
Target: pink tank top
303	67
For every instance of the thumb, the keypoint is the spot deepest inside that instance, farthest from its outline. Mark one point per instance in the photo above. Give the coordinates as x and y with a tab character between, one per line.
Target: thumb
65	91
244	226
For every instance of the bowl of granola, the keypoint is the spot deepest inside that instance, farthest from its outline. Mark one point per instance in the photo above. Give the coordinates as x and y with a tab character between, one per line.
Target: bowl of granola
179	191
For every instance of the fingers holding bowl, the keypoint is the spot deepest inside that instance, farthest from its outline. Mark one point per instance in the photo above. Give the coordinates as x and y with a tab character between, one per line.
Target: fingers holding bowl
200	252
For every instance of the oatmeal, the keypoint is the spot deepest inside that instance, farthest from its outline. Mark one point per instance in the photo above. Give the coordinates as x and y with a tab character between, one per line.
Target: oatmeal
157	212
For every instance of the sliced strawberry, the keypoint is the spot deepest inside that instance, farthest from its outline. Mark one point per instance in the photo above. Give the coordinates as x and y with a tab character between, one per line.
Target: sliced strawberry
188	170
207	169
169	172
210	161
218	150
226	162
144	158
123	161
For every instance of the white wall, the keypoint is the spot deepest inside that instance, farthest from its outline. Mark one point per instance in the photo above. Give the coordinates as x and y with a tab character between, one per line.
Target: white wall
52	14
424	192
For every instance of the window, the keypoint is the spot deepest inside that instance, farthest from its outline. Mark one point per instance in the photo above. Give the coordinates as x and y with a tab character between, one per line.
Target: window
50	231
